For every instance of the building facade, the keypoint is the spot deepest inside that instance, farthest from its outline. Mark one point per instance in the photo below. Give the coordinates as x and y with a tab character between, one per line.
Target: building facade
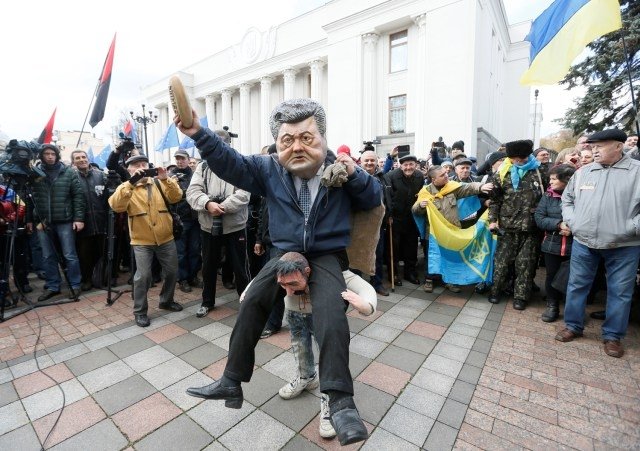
400	71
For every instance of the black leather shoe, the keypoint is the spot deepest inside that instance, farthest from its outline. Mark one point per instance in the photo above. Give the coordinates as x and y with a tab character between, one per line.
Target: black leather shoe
519	304
382	291
494	299
143	320
398	282
349	426
232	395
173	306
48	294
412	279
601	314
203	311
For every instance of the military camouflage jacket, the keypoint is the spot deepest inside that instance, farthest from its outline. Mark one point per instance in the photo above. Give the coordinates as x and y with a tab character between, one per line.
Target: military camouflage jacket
514	210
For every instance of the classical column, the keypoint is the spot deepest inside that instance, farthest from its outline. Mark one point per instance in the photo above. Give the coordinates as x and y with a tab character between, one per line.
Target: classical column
265	110
419	105
209	105
289	75
245	118
369	102
226	107
317	73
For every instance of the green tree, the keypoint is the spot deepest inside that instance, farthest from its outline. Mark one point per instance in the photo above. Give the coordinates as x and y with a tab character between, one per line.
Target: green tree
603	73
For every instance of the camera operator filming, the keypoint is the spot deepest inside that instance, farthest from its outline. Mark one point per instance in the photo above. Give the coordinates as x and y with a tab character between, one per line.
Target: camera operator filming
151	230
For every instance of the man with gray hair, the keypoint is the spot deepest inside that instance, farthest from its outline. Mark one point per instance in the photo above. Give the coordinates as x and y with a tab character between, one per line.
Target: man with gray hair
304	217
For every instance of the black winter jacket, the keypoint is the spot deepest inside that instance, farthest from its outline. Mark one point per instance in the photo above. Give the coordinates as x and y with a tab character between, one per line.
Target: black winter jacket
57	201
95	195
548	215
404	192
182	208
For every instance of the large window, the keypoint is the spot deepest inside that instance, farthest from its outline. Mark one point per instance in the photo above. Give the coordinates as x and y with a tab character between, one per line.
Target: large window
398	51
397	114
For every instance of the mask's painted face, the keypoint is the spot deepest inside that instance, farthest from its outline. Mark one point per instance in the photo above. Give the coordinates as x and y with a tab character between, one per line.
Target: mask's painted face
301	148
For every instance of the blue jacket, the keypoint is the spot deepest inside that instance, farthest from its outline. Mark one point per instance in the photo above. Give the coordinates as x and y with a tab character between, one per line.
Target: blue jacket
328	227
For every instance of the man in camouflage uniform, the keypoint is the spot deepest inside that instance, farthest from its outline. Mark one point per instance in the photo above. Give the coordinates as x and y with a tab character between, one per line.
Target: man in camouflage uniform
518	188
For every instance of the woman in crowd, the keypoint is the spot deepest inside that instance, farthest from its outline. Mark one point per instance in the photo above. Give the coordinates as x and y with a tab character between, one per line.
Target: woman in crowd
586	156
556	244
568	155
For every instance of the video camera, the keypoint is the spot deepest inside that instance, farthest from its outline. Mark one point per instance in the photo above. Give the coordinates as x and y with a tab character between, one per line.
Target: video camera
17	160
368	145
125	147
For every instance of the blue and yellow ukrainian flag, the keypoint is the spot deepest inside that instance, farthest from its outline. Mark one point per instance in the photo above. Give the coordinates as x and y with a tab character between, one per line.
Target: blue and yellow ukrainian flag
562	31
461	256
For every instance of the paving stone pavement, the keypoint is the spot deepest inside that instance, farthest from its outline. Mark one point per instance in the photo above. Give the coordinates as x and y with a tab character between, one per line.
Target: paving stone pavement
431	371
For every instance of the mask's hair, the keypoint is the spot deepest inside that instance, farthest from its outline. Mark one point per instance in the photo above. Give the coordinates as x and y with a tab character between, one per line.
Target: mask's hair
297	110
290	263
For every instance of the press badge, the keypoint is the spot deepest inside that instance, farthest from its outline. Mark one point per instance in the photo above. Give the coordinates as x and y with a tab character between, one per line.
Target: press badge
588	186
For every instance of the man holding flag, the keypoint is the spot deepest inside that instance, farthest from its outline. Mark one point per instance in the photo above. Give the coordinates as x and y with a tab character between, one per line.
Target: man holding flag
436	201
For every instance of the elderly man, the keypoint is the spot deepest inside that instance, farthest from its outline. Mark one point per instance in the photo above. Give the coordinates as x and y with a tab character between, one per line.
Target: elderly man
368	161
151	231
601	208
445	195
404	183
462	167
305	217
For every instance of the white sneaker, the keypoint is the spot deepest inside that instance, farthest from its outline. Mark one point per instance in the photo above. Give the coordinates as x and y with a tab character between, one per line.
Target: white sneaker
298	385
325	428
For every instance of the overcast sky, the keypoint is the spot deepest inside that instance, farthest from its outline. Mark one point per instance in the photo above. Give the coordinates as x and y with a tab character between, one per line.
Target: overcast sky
52	52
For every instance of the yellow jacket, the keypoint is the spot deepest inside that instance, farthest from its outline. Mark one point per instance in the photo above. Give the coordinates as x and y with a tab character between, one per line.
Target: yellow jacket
150	222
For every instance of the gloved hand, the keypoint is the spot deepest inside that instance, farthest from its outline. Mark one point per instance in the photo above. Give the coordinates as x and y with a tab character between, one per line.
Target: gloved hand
137	176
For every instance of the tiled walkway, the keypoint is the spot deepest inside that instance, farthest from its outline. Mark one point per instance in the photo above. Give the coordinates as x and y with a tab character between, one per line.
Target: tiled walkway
433	371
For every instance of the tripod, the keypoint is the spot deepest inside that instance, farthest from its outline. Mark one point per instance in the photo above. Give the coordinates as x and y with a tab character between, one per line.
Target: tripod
22	191
113	180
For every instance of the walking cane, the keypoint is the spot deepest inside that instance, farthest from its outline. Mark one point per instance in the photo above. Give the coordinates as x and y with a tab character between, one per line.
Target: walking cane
393	278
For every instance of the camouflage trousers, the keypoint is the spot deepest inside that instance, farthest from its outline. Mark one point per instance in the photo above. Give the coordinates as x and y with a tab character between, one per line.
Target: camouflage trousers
519	248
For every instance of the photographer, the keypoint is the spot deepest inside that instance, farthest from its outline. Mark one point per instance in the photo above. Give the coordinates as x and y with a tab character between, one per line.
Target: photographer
117	159
222	213
151	231
189	249
57	211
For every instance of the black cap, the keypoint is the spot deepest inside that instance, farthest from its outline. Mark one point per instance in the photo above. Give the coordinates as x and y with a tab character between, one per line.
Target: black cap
408	158
495	156
612	134
521	149
460	161
135	158
181	153
458	145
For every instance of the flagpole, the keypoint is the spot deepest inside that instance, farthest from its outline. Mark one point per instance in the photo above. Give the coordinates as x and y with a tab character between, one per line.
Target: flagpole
87	115
633	97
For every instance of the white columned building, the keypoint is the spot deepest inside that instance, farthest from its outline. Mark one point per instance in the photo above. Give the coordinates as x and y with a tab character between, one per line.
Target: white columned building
400	71
369	70
265	109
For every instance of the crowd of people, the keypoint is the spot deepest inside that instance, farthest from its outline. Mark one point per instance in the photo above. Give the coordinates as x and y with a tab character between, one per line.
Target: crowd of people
278	227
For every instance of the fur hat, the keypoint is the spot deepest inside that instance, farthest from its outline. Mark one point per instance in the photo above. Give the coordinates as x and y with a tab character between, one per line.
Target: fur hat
458	145
522	148
52	147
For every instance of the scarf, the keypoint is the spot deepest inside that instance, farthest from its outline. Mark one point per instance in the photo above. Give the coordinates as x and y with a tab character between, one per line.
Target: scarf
449	188
554	193
517	170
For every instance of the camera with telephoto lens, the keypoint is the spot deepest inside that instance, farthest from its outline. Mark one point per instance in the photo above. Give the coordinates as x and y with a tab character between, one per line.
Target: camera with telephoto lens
125	147
17	161
216	226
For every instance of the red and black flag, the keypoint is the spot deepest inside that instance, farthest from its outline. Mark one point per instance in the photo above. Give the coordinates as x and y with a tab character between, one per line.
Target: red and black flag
103	87
47	133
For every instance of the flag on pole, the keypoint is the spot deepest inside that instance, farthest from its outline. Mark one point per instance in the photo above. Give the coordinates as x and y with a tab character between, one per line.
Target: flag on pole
169	139
562	32
103	156
90	156
103	88
47	133
188	144
130	131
